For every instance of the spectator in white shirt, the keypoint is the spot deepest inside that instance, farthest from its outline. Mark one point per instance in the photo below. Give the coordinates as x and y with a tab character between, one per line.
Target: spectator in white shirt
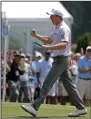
24	70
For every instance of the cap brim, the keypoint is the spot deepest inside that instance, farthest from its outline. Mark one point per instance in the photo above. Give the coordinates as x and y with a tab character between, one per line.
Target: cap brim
49	13
53	14
88	49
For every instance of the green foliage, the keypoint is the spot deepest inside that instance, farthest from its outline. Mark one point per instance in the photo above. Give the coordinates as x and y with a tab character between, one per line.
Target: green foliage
14	43
80	10
83	41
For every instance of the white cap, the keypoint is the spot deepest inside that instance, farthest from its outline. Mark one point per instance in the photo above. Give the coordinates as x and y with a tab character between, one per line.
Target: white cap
22	55
38	54
55	12
89	47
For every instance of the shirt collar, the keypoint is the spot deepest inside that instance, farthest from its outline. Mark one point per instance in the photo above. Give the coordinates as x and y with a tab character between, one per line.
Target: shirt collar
87	58
58	25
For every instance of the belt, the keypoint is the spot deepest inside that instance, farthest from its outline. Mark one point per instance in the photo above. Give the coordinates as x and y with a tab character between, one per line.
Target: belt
60	56
85	78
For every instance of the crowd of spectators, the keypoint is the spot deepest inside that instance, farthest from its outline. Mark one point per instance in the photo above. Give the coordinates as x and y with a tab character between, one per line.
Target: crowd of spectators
25	74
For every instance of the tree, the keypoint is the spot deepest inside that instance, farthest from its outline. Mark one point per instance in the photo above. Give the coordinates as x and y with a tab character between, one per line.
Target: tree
83	41
80	10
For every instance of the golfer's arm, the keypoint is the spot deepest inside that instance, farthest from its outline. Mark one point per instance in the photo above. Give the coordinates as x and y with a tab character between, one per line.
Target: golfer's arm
58	46
44	39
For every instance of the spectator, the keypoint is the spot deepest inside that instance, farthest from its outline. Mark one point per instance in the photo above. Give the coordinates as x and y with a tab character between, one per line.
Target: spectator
38	56
82	52
74	67
29	58
24	69
74	70
45	62
84	74
13	78
43	68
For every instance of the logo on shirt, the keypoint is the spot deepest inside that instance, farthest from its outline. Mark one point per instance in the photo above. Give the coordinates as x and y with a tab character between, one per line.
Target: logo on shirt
62	34
55	33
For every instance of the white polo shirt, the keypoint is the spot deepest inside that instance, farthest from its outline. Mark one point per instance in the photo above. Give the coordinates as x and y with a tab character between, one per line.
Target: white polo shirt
61	33
25	76
43	68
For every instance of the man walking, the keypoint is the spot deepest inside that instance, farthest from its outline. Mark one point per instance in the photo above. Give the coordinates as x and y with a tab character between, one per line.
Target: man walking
61	45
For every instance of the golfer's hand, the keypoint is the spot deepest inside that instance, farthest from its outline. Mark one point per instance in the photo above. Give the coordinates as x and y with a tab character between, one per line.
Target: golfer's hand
33	32
45	47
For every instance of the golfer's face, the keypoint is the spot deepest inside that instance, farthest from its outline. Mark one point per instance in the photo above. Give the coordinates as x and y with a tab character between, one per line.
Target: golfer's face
53	18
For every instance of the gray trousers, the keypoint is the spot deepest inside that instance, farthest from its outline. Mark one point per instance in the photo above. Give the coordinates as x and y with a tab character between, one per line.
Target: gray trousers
14	90
59	70
24	90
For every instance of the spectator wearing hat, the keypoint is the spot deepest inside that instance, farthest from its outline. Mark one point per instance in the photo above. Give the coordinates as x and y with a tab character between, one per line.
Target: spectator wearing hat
45	62
73	66
12	78
35	59
43	68
29	58
37	56
84	75
24	69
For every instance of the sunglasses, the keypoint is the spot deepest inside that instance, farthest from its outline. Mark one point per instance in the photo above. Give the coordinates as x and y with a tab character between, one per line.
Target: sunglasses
89	50
22	57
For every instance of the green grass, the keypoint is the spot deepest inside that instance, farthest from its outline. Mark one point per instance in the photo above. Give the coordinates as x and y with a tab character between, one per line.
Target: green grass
13	111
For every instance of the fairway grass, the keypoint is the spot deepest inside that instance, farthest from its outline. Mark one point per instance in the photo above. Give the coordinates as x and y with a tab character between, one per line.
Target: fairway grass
14	111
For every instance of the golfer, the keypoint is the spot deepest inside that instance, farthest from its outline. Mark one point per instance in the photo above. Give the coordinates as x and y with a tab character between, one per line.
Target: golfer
61	46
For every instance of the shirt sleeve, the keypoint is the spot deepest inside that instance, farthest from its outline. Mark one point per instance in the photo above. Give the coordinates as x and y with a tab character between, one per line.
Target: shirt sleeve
74	70
38	67
80	63
34	66
64	34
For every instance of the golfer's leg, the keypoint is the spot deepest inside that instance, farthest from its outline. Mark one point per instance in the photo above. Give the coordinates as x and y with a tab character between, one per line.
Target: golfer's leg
51	78
72	91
